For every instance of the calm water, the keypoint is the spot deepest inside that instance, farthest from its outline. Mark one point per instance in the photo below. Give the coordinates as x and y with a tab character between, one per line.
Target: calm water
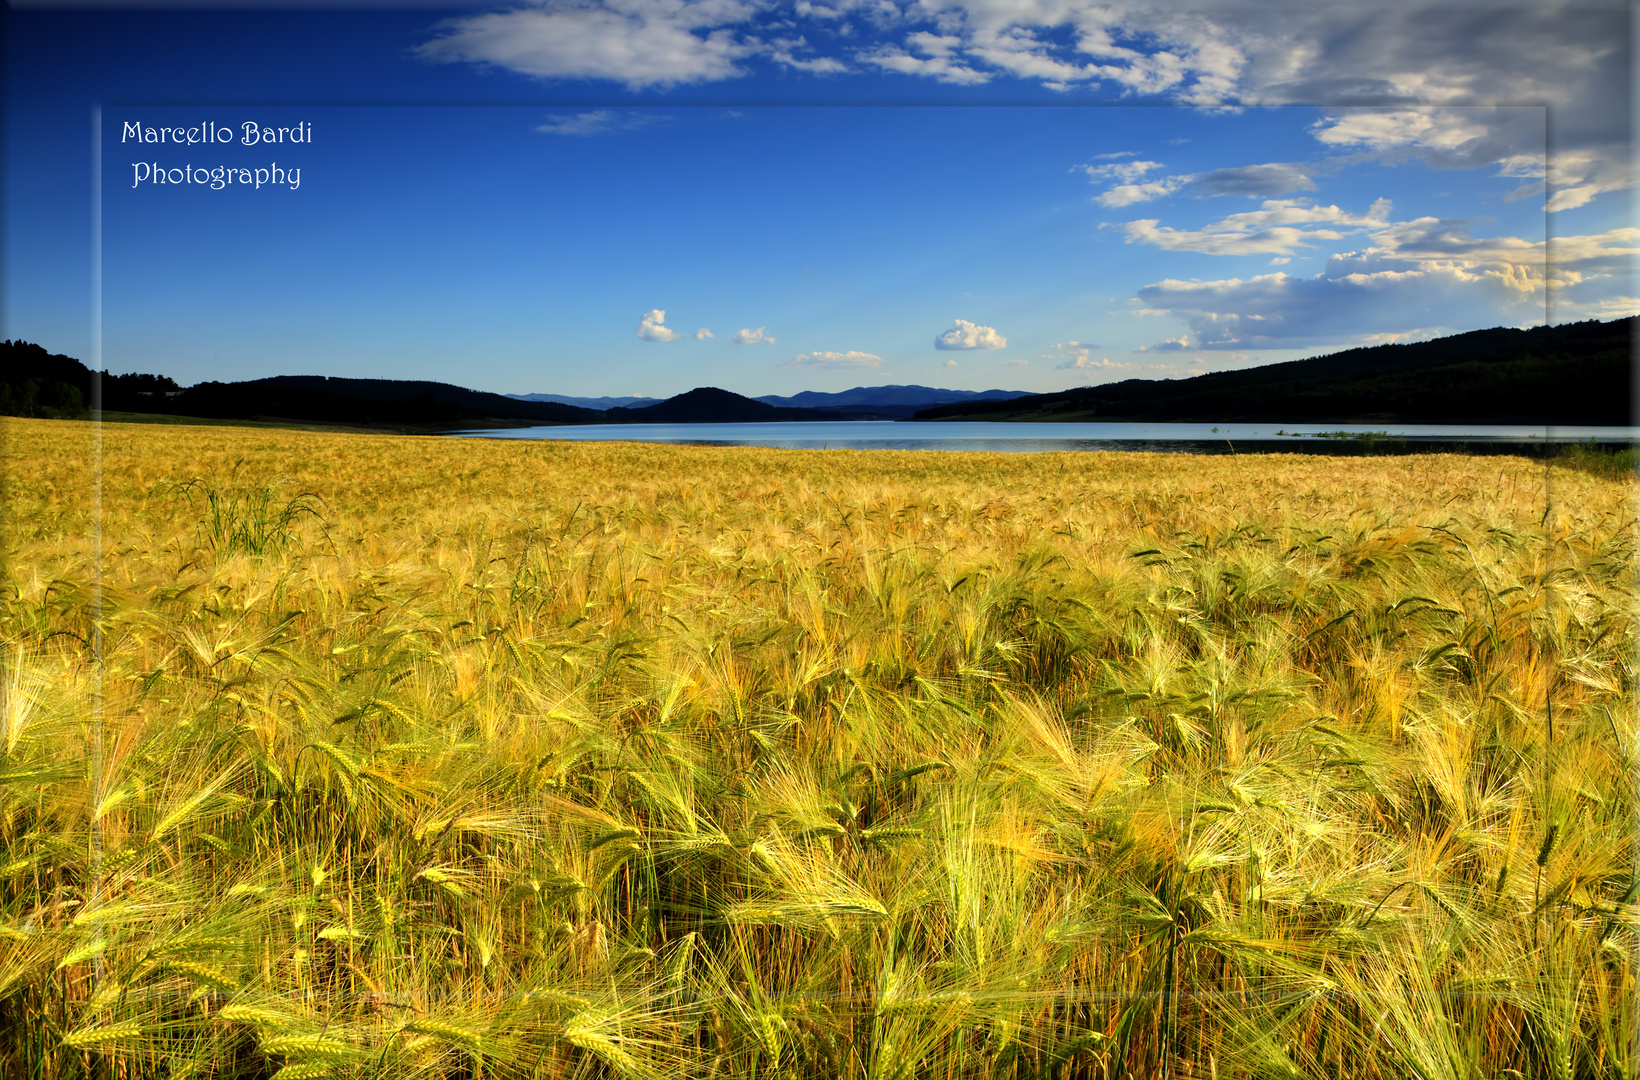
1020	438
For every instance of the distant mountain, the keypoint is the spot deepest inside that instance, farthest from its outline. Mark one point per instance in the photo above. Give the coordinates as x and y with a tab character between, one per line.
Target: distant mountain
587	402
710	405
868	396
882	402
1573	373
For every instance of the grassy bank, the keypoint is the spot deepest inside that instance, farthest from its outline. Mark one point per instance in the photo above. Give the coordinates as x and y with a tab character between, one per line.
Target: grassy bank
371	756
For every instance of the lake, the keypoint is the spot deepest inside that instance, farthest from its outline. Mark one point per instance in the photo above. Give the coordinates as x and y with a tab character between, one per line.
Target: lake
1037	437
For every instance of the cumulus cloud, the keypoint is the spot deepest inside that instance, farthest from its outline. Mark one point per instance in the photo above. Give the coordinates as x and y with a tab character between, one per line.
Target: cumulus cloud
965	335
821	359
1279	227
651	328
753	337
702	334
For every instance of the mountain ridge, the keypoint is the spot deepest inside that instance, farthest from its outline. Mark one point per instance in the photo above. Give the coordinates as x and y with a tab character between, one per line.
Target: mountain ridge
1567	373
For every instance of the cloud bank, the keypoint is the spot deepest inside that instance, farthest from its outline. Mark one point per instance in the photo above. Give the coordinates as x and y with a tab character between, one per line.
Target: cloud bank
1415	60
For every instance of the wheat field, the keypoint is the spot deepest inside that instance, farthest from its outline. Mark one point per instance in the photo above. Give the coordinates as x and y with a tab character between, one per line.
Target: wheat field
372	756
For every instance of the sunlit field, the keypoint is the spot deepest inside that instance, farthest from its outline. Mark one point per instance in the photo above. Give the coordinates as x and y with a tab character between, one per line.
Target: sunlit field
370	756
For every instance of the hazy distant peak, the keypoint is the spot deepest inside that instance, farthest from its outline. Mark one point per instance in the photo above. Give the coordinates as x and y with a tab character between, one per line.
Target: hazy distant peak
896	394
587	402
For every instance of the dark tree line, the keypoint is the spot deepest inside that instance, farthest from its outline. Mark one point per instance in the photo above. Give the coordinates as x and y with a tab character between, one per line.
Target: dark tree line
34	382
1574	373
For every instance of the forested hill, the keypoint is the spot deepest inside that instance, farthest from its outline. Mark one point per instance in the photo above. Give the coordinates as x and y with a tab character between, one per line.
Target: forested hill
34	382
1574	373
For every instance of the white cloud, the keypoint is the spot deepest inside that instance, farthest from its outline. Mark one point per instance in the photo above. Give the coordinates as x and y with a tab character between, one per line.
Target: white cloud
1416	334
783	51
597	122
821	359
1440	129
1516	264
636	43
1125	171
1412	63
1253	181
942	68
1078	356
1464	137
933	44
703	334
1280	311
965	335
1280	227
1532	165
818	11
753	337
1602	308
650	327
1579	177
1021	52
1128	194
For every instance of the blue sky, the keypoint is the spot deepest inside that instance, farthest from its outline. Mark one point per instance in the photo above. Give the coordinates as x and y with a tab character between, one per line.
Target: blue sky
642	197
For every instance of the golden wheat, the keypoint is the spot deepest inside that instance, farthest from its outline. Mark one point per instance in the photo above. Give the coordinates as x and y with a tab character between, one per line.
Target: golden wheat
367	756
